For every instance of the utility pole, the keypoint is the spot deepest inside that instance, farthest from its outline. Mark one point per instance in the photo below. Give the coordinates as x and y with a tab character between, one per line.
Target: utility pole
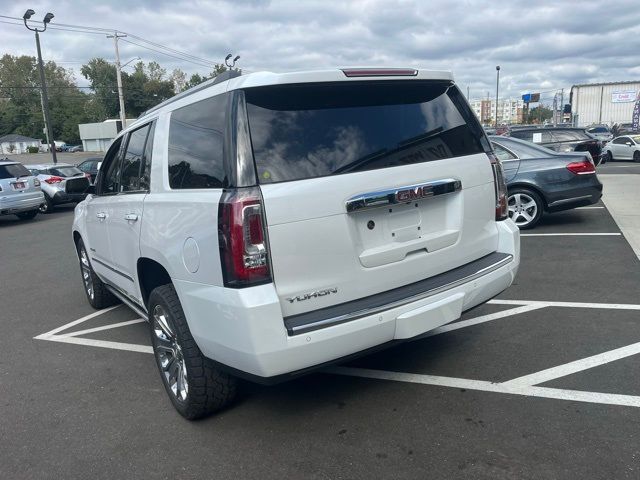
46	130
555	110
467	93
562	106
497	88
45	99
123	117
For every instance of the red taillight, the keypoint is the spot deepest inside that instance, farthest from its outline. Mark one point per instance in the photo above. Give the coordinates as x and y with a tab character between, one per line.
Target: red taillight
380	72
52	180
502	204
241	232
581	168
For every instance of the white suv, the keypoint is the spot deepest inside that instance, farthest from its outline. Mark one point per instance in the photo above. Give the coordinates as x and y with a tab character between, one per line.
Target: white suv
269	224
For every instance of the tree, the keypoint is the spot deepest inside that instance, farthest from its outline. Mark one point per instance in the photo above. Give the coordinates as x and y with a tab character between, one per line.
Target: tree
179	80
539	114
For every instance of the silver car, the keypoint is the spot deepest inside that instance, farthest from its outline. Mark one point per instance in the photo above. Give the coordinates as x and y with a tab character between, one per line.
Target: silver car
61	183
626	147
20	192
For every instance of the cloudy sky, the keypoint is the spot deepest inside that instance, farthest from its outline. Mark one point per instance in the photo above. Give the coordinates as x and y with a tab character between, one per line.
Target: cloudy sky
540	45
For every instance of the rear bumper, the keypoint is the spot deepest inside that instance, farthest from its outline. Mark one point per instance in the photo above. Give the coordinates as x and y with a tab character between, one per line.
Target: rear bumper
63	197
244	329
576	197
23	203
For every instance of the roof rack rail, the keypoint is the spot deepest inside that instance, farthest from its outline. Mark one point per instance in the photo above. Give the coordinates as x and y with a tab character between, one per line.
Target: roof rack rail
224	76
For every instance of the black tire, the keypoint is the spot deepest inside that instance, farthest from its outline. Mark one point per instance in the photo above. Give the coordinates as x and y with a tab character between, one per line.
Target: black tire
30	215
208	389
636	157
608	157
94	288
47	206
517	213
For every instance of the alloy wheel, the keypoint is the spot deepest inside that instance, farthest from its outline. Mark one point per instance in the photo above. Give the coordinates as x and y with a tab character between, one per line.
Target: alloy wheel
169	354
85	268
522	209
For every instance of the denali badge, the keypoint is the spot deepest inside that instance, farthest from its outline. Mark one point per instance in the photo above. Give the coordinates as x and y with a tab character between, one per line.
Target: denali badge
317	293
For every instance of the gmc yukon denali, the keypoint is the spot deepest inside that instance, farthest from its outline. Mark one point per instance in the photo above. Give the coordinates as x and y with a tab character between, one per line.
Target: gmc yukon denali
269	224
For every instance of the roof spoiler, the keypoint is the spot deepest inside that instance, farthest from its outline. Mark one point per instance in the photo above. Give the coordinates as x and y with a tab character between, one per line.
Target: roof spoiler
222	77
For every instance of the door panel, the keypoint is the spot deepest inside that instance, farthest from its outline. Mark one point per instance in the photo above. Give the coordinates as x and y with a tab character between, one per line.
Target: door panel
98	215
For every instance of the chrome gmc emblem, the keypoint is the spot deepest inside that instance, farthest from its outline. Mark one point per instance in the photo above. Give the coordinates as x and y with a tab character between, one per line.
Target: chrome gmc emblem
414	193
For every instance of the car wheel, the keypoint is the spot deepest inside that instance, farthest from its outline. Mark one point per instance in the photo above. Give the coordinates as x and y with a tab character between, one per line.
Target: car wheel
97	293
525	208
636	157
608	157
30	215
196	387
47	206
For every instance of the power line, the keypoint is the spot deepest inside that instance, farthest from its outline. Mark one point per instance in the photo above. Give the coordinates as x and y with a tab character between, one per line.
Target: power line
167	54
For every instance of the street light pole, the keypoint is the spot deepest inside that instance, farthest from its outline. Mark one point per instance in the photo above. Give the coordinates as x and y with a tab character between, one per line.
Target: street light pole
497	88
45	99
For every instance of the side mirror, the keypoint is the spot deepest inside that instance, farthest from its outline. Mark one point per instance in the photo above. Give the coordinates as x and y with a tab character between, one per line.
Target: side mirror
628	143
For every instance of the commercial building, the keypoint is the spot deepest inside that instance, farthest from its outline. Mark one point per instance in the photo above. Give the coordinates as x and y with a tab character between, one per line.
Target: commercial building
510	111
96	137
15	144
603	103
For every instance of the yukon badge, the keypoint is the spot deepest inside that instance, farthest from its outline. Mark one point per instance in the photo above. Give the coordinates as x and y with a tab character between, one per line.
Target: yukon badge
317	293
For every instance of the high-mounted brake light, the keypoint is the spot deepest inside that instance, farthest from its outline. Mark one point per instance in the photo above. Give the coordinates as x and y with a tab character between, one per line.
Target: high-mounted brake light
243	243
582	168
502	203
380	72
52	180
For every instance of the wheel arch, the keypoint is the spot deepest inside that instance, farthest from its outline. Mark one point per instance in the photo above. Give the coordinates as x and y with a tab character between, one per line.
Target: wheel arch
529	186
151	274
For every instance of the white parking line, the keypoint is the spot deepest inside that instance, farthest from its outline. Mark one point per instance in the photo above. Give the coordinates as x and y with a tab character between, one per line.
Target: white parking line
103	327
131	347
75	322
484	386
589	208
610	234
606	306
484	318
575	367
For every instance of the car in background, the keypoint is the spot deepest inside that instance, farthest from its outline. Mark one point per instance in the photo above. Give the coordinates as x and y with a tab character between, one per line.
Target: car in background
20	192
91	166
626	147
61	183
600	132
540	180
562	139
76	148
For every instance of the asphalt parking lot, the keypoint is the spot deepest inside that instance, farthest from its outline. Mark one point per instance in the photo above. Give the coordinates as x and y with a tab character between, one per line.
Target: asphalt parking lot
539	383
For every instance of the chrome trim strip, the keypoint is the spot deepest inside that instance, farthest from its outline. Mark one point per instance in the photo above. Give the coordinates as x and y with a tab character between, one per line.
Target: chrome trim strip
94	259
372	311
129	303
404	194
567	200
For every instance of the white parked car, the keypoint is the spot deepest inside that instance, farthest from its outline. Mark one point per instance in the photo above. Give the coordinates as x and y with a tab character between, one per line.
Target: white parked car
269	224
626	147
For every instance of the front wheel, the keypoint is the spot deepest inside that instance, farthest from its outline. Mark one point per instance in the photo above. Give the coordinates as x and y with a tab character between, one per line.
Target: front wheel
525	208
196	387
607	157
636	157
30	215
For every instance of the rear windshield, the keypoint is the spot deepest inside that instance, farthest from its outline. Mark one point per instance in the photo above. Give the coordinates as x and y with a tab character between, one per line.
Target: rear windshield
14	170
65	171
598	130
315	130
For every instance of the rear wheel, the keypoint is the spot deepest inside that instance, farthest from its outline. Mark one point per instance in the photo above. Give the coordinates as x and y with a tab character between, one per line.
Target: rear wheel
636	157
47	206
525	208
95	289
30	215
195	386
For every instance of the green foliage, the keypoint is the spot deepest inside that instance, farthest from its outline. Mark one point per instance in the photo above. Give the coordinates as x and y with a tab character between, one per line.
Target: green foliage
538	114
32	149
20	101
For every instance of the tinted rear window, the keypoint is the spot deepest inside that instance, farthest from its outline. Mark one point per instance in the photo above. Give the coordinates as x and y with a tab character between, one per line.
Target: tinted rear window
13	170
65	171
315	130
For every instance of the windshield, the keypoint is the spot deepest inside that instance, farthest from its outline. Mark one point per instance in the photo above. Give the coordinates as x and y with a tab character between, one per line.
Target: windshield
13	170
65	171
307	131
598	130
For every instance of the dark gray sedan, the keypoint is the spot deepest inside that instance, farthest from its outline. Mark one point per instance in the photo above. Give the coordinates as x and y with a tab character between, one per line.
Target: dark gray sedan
540	180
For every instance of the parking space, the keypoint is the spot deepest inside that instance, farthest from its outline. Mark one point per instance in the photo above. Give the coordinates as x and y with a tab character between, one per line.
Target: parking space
538	383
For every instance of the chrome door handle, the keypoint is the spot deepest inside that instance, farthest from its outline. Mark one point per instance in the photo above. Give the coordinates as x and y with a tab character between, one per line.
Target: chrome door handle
101	215
131	217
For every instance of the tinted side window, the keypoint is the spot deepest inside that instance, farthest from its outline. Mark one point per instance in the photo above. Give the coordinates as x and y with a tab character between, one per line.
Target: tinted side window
196	138
502	153
523	135
620	141
130	179
111	170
